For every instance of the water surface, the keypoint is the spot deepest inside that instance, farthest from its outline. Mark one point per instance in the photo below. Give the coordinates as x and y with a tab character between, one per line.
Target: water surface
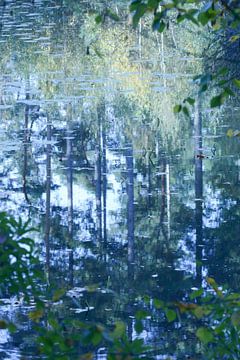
130	198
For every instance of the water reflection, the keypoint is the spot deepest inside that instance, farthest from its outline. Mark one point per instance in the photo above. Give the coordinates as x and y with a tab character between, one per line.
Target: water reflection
130	202
92	153
198	191
48	193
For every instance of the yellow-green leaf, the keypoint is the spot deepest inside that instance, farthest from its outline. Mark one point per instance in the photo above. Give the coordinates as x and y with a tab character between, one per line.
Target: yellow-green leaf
58	294
230	133
236	83
234	38
120	329
171	315
235	318
205	335
177	108
36	315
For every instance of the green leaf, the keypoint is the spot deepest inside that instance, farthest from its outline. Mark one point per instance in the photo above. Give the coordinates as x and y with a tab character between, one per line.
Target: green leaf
200	311
158	303
120	330
96	337
12	327
58	294
98	19
216	101
170	314
234	38
141	314
214	285
112	15
190	100
162	26
134	5
196	294
228	92
205	335
177	109
234	296
203	88
146	299
190	17
36	315
180	18
186	111
138	326
92	288
235	318
222	82
140	11
223	71
236	83
152	4
203	18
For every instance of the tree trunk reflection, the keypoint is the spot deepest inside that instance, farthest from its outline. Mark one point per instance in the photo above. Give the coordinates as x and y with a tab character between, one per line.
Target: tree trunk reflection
198	192
25	149
48	194
70	198
130	202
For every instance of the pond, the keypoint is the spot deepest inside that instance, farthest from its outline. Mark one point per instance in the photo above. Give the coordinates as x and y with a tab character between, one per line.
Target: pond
129	198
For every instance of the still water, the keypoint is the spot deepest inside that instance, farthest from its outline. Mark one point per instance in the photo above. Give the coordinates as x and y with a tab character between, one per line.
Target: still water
129	198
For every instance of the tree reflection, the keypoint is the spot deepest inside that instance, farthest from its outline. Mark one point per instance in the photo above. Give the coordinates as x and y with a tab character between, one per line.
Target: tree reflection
70	191
198	192
130	201
26	143
48	193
